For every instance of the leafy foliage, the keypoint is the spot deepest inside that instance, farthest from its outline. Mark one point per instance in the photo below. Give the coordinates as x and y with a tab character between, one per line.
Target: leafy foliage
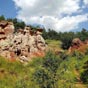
46	75
49	72
2	18
17	24
65	37
84	74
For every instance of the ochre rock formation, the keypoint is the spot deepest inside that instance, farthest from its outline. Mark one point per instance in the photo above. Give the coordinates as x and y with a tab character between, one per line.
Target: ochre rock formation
24	44
78	45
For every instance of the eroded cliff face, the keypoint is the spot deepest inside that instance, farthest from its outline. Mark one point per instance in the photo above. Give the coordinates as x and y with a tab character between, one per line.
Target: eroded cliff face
23	45
6	27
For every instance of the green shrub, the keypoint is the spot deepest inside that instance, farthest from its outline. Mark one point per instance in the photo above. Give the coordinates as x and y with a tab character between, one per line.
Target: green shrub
78	55
46	76
21	84
84	74
64	56
86	53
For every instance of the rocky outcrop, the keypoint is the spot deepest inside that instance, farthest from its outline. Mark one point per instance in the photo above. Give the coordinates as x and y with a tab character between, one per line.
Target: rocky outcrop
3	24
6	27
78	45
24	44
77	42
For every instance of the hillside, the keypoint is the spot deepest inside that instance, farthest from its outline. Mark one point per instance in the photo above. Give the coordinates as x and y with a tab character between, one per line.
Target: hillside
65	69
43	43
29	61
53	45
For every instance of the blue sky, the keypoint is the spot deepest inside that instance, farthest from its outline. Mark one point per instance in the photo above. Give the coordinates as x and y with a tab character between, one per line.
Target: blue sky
7	8
60	15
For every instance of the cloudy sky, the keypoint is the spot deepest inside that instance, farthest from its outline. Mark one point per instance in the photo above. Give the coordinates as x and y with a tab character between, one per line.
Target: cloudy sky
60	15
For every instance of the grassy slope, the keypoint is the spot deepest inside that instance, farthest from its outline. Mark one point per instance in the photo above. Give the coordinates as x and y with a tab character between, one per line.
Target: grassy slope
14	74
17	75
71	70
54	45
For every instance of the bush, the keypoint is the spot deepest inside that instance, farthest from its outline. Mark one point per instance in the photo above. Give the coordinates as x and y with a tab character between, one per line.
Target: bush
66	39
84	74
86	53
64	56
46	75
78	55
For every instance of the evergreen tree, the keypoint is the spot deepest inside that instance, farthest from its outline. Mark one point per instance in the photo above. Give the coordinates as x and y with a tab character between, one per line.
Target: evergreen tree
2	17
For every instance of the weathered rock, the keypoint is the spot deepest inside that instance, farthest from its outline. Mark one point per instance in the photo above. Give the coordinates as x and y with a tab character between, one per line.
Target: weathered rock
24	59
3	23
40	40
12	56
77	45
86	41
9	29
77	42
26	43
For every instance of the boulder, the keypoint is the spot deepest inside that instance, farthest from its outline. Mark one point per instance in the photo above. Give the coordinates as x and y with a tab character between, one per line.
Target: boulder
77	45
3	23
9	29
77	42
24	58
6	28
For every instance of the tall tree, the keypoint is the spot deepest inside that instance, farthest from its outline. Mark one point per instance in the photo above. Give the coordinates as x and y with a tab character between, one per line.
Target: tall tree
2	17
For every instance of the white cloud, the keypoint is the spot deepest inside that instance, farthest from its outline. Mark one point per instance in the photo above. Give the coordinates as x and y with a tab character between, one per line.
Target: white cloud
70	22
86	2
50	13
